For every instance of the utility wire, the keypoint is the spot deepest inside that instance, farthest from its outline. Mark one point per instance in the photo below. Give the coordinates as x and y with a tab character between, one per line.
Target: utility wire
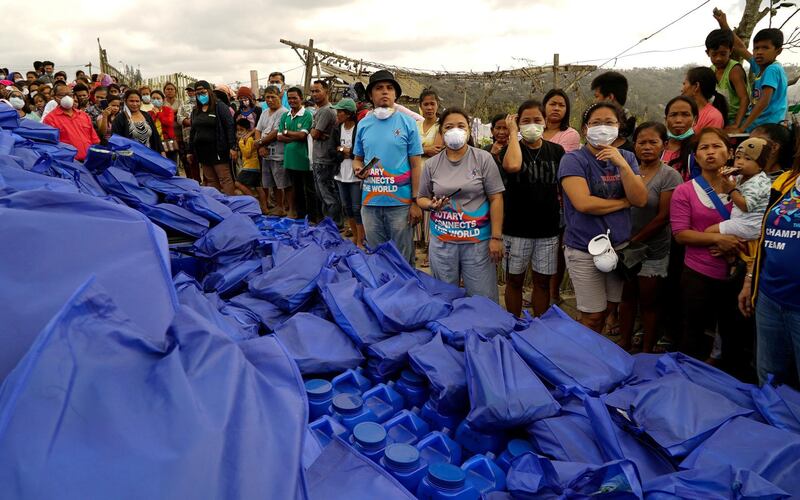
663	51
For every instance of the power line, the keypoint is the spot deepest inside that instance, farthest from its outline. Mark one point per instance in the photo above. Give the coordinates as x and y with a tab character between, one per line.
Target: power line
663	51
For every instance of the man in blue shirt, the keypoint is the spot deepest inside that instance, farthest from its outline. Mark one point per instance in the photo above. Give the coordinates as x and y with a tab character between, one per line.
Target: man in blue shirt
391	141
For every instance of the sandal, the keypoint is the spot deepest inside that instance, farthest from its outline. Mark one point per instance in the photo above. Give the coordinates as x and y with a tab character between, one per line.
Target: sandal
636	343
663	345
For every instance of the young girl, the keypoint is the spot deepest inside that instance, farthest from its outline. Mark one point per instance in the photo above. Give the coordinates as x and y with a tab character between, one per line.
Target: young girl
700	84
249	179
106	118
348	184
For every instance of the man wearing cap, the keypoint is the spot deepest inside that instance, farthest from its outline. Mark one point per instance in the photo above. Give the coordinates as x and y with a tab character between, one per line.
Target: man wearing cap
390	139
323	153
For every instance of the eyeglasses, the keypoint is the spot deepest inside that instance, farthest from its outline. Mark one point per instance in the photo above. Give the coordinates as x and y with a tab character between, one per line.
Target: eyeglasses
600	124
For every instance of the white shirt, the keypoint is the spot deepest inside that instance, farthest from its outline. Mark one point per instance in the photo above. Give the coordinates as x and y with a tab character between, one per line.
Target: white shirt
346	173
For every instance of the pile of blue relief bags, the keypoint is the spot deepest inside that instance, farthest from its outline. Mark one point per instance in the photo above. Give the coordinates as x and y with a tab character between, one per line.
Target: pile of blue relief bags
161	340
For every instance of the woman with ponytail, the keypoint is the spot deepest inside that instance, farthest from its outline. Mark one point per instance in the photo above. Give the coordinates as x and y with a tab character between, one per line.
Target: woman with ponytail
700	84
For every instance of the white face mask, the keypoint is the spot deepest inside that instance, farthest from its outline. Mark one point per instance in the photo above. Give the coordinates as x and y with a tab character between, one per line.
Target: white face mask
531	132
67	102
603	254
17	102
146	99
455	138
383	113
602	135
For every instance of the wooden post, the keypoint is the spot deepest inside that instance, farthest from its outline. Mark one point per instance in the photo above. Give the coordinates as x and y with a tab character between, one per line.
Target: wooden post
254	82
309	67
555	70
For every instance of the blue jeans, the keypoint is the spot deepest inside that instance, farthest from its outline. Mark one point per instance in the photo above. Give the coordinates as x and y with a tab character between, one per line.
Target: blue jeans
350	194
327	193
382	224
452	262
778	342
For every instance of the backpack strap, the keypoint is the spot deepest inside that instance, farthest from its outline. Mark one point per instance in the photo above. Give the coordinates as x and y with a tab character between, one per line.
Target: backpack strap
721	208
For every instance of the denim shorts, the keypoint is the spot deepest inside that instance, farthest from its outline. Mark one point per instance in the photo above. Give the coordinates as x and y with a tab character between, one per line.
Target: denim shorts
655	268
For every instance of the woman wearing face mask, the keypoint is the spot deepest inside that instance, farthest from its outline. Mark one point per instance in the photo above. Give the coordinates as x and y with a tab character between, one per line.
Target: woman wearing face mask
18	102
650	225
600	184
530	169
709	297
462	189
700	84
557	130
212	138
248	107
680	116
137	125
164	120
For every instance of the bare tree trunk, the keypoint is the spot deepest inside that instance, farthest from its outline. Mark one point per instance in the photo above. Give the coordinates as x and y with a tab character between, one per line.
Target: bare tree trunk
750	17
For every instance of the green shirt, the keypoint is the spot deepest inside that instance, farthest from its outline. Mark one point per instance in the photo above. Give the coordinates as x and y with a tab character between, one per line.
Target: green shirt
295	153
725	88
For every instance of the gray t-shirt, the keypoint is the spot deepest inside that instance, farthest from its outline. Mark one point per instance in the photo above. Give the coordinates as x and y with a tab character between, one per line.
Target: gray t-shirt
466	218
324	149
666	179
268	123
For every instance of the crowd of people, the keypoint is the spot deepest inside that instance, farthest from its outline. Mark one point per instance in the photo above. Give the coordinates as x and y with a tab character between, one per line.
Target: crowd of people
691	225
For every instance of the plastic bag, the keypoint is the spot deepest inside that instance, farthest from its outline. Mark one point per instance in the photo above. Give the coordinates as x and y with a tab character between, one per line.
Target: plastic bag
780	406
383	264
503	391
292	284
473	314
676	413
16	179
235	237
245	205
124	185
344	300
743	443
139	408
190	296
564	352
9	118
175	218
37	131
316	345
445	369
401	305
713	483
144	158
227	279
391	355
439	289
203	205
270	315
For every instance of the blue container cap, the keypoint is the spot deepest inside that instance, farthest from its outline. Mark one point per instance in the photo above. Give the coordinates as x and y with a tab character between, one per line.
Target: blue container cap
347	404
319	389
446	476
412	378
401	456
370	435
517	447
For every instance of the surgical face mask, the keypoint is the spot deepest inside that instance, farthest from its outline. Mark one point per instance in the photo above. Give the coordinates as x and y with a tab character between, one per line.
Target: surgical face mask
603	254
146	99
383	113
602	135
17	102
531	132
67	102
202	99
157	103
455	138
681	137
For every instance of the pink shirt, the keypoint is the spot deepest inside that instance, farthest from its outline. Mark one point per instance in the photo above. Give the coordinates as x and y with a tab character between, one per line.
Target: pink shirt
688	212
709	117
568	139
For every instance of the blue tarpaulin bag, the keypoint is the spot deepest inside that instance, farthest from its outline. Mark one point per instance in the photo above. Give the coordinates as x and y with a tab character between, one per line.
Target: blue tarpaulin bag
445	369
383	264
439	289
401	305
568	436
503	391
15	178
175	218
743	443
391	355
168	186
674	412
316	345
99	158
127	415
473	314
37	131
144	158
202	205
6	142
9	118
712	483
236	237
644	368
59	151
229	278
293	283
344	300
241	204
190	296
709	377
341	473
564	352
71	237
780	406
270	315
124	186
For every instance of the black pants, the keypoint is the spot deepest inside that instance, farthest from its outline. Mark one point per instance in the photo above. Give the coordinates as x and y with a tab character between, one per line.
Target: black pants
305	198
710	303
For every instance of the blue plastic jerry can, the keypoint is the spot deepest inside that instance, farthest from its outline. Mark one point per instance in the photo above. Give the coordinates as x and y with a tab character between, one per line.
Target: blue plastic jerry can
515	448
476	441
320	395
350	382
383	401
446	482
369	438
437	447
350	411
439	420
406	427
484	474
413	387
403	462
325	427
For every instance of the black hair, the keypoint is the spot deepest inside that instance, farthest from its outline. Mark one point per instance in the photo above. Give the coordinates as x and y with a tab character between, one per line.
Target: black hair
31	73
773	35
156	91
719	38
277	73
427	93
60	72
79	72
112	97
781	136
170	84
616	108
497	118
659	127
455	111
681	162
707	80
322	83
558	92
131	92
272	89
79	87
529	104
46	63
296	90
612	82
243	122
37	65
688	100
711	131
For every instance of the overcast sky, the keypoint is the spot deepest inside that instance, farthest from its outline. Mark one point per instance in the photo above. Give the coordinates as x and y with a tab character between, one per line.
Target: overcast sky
219	42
